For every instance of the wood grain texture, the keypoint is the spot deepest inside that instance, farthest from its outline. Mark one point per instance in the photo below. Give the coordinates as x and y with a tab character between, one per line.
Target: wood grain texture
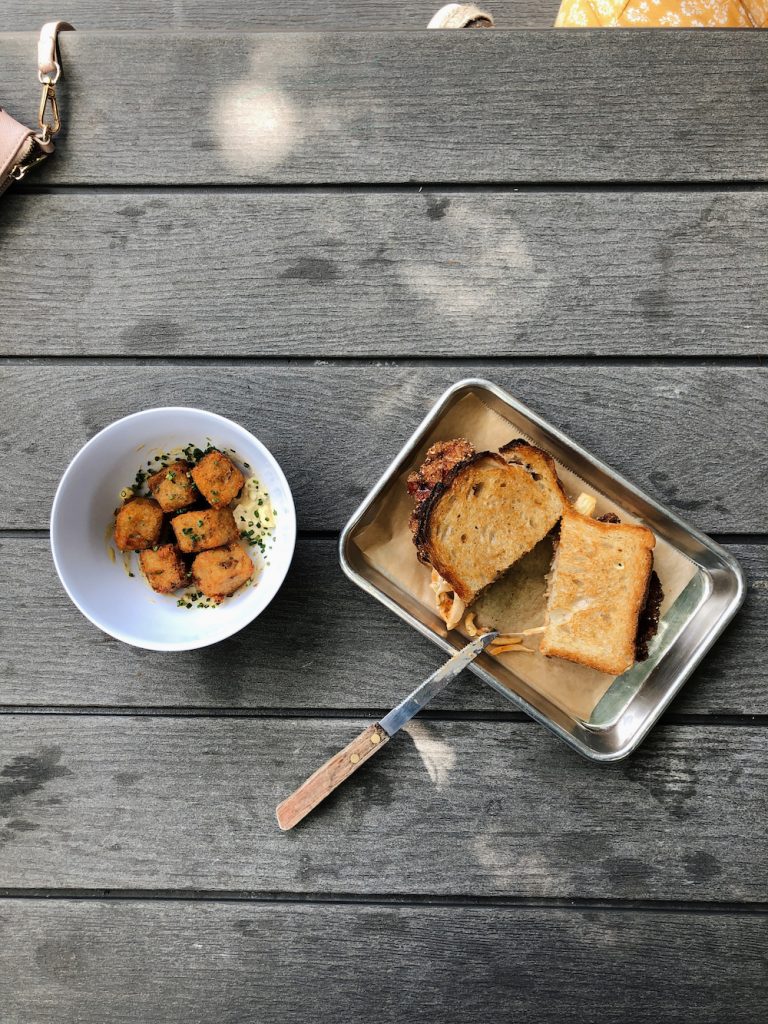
402	107
448	808
452	808
694	437
70	960
321	644
385	274
259	16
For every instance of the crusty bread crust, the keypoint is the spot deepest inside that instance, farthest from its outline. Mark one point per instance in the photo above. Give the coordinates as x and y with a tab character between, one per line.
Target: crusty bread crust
423	512
536	461
506	510
598	587
648	623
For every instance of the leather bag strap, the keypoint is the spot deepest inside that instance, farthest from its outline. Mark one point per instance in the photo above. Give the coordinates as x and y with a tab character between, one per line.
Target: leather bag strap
48	57
22	148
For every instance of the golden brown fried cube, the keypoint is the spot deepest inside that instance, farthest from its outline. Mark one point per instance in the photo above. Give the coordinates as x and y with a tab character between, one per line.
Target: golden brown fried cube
164	568
138	524
219	573
173	487
209	528
218	479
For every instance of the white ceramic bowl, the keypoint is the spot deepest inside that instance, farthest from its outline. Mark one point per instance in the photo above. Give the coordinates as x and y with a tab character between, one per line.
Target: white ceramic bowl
127	608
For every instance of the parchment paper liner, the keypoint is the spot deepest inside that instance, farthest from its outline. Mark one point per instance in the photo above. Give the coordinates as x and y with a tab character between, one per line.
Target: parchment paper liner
516	602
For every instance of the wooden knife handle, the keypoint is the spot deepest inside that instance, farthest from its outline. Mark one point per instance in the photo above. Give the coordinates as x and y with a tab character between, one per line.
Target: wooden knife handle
332	774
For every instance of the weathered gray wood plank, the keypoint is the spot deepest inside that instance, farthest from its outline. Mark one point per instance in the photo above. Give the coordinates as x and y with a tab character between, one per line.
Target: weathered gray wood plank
28	15
385	274
71	960
320	645
694	436
398	107
448	808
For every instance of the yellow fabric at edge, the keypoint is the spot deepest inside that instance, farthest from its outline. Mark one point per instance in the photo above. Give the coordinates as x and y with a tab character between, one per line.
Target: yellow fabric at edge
662	14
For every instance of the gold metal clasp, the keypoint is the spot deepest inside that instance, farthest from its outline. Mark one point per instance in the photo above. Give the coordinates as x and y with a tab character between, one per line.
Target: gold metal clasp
50	79
47	99
35	157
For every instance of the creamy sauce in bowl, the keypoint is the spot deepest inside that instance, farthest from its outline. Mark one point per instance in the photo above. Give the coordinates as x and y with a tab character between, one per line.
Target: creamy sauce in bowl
255	516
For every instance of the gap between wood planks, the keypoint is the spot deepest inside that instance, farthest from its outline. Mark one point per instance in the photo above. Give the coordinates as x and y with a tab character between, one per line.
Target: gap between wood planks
387	900
341	714
408	188
756	360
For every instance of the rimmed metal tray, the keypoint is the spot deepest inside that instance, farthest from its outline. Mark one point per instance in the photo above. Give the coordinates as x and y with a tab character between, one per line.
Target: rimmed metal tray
620	719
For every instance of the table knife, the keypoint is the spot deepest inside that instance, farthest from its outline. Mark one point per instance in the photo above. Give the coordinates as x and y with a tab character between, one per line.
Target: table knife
318	786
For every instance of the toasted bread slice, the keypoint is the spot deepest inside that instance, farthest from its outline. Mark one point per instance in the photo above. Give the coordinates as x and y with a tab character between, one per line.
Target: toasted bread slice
598	586
484	515
540	465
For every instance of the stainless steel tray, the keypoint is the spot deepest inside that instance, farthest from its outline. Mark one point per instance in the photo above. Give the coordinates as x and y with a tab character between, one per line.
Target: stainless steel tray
635	700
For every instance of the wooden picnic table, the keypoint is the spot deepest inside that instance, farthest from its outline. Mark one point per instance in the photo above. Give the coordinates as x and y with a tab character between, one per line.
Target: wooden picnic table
580	217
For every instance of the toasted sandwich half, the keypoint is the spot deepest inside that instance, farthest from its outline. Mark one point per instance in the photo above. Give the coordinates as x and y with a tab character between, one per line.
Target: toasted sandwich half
602	592
477	513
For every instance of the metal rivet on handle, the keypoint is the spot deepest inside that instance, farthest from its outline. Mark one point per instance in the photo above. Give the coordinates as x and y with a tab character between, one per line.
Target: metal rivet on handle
375	739
354	758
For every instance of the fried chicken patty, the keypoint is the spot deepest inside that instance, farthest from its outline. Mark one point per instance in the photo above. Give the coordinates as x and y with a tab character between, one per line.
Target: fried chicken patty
164	568
218	479
441	458
138	524
172	486
208	528
221	572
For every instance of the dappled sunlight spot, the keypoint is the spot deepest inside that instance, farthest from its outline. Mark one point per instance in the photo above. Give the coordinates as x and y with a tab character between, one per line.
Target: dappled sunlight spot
256	125
495	265
447	287
497	854
265	116
670	389
396	394
437	755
